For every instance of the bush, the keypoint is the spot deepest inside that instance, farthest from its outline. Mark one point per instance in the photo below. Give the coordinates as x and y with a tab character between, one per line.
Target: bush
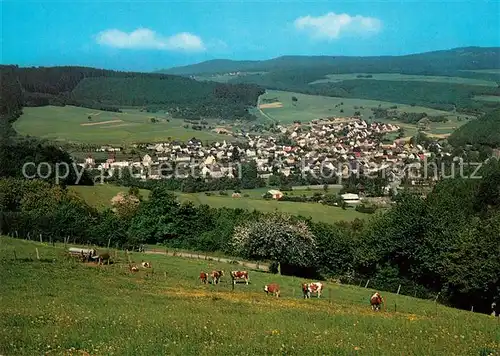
222	192
362	208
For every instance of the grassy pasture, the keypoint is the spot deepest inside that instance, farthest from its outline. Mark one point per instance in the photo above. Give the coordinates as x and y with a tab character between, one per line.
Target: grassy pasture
337	78
100	196
56	306
71	124
311	107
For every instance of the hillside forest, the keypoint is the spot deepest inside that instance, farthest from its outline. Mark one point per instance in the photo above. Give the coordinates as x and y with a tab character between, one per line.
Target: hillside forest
299	73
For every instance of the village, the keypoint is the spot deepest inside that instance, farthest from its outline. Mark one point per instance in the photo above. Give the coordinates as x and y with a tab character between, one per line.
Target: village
323	148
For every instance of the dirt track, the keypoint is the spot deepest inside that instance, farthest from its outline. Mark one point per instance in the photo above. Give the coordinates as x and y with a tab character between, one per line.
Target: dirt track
101	122
258	266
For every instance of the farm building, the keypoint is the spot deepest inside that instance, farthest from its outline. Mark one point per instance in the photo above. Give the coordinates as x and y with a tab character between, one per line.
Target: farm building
276	194
350	198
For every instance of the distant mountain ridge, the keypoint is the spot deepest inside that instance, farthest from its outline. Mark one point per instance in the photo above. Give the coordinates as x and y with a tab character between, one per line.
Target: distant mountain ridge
442	61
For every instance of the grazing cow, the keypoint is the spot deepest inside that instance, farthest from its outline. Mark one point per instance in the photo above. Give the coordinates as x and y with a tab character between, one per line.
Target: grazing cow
203	277
216	276
146	264
308	288
235	275
376	300
272	288
101	257
133	268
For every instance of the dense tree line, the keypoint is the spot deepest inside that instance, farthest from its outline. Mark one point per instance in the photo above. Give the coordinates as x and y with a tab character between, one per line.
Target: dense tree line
447	243
30	157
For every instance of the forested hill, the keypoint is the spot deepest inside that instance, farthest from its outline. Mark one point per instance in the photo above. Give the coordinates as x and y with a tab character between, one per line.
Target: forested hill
434	63
482	132
109	90
445	80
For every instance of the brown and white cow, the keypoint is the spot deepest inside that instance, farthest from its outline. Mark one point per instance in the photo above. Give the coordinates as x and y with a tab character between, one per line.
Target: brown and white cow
376	300
315	287
239	275
146	264
203	277
216	276
272	288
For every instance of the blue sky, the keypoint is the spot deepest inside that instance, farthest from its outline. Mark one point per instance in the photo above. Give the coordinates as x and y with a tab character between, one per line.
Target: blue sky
145	35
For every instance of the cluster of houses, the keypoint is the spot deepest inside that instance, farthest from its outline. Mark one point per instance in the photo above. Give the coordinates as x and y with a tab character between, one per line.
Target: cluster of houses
333	147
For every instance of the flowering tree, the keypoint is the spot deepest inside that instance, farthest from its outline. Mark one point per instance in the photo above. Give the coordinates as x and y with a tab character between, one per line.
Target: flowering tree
125	205
278	237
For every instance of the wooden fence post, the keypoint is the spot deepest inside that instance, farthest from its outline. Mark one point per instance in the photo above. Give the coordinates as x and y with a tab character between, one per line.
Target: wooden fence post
37	254
15	256
367	282
41	240
109	242
435	302
399	288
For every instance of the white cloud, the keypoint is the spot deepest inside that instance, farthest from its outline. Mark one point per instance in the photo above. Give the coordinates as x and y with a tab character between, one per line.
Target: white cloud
144	38
332	25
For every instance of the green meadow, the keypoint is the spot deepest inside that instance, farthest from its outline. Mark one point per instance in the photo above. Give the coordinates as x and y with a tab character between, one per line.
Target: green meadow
100	197
72	124
490	98
58	306
336	78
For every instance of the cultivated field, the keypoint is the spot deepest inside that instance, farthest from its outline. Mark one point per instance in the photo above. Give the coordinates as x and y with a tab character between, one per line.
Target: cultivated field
55	306
71	124
337	78
100	196
311	107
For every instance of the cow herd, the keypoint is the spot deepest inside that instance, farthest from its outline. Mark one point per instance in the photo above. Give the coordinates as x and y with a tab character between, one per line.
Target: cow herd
217	275
273	289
